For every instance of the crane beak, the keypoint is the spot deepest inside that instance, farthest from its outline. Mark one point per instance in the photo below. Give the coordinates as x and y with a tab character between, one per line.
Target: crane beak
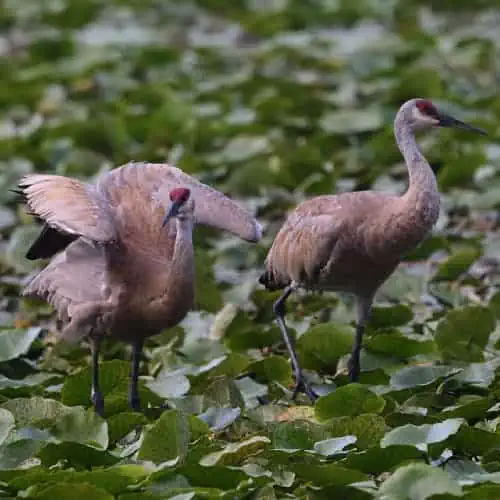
173	211
449	121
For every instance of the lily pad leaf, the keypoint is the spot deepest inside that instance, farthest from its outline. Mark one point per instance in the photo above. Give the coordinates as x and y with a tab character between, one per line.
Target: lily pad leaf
423	435
390	316
170	385
456	264
333	446
322	345
7	423
72	491
219	418
82	426
418	481
297	435
15	342
235	453
352	121
464	332
167	439
349	400
398	345
368	428
329	474
414	376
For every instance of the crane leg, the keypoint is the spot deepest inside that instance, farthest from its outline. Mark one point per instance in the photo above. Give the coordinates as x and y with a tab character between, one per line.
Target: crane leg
95	393
280	311
363	314
133	396
354	362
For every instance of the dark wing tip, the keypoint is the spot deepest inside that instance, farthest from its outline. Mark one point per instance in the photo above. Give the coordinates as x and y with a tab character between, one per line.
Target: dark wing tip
267	279
49	242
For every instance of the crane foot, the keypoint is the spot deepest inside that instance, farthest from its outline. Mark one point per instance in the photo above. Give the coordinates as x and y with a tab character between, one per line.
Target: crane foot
301	385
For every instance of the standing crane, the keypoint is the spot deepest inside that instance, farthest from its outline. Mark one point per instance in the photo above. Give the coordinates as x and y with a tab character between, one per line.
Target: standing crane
352	242
124	268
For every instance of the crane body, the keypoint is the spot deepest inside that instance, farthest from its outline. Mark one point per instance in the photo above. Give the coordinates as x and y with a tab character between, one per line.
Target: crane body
352	242
122	252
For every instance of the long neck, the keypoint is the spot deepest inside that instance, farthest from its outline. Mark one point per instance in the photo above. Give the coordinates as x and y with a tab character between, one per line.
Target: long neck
183	258
421	201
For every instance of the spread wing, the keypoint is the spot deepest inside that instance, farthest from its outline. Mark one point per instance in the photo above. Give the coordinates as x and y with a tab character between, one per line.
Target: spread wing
212	208
68	206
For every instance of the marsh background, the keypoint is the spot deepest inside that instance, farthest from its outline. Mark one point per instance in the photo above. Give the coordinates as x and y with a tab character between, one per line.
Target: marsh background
271	101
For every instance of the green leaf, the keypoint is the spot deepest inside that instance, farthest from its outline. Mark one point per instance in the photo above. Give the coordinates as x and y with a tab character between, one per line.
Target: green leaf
14	343
333	446
483	492
18	452
474	441
242	334
398	345
81	426
473	409
328	474
215	477
7	423
414	376
170	385
167	439
114	480
235	453
297	435
30	411
322	345
368	428
376	460
418	481
352	121
72	491
207	293
349	400
423	435
30	385
272	368
75	455
390	316
113	379
457	264
219	418
223	392
121	424
464	332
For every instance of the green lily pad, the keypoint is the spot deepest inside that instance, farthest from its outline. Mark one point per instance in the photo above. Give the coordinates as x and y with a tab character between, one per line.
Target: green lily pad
349	400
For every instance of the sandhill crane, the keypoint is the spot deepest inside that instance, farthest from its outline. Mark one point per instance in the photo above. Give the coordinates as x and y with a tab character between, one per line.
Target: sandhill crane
121	273
352	242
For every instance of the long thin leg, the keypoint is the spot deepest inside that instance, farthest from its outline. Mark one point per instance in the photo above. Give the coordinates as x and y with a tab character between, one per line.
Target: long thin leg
133	397
95	392
363	314
280	311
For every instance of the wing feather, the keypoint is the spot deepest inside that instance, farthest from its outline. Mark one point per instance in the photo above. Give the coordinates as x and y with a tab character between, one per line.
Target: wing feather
69	206
212	208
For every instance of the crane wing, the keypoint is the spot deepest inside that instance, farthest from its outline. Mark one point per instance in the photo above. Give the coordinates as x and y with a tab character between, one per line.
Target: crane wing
302	248
68	206
212	208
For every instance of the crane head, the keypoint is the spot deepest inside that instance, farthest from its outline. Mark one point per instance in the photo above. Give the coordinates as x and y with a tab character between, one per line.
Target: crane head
178	198
425	114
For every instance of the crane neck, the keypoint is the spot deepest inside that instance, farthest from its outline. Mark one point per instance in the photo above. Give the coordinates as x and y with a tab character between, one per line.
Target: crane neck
421	200
184	239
